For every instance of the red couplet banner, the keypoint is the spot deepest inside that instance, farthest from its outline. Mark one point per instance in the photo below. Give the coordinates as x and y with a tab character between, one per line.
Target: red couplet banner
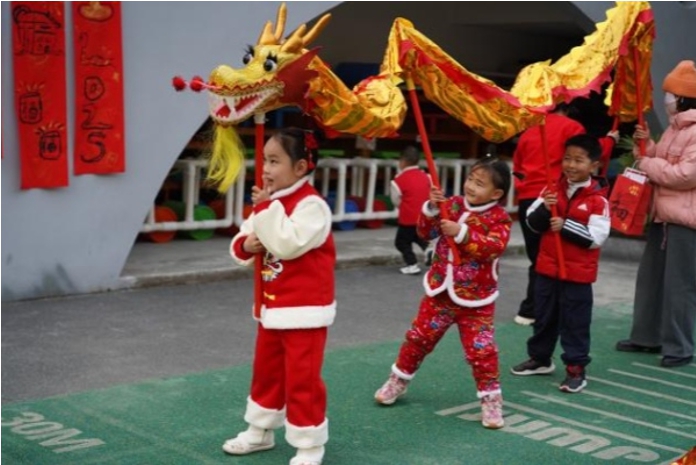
99	125
38	51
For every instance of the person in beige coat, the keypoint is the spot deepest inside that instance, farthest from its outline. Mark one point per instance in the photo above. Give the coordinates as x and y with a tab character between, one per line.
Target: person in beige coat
664	312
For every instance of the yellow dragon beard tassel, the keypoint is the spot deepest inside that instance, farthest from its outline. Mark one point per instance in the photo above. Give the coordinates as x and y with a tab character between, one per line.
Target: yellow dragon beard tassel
226	159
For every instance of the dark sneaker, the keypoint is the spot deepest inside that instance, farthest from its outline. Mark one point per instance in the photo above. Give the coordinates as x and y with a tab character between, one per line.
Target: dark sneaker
628	346
575	379
671	362
428	257
532	367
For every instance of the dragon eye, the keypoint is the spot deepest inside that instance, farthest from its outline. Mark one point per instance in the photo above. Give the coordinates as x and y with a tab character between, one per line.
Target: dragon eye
271	63
248	55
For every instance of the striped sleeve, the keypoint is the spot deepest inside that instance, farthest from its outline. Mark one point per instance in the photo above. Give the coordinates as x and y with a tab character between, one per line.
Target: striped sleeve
593	234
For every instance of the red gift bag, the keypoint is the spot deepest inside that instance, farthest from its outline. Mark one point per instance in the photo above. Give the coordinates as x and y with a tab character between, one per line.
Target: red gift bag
630	202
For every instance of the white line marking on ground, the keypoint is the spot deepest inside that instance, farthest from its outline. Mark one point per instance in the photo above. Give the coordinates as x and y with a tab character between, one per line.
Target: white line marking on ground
655	380
608	432
607	414
664	370
618	400
641	391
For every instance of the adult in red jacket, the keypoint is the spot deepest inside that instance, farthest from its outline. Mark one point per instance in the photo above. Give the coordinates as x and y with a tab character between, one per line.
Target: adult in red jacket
529	168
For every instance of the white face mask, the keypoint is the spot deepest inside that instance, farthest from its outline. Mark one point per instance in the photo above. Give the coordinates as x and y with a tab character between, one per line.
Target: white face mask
670	104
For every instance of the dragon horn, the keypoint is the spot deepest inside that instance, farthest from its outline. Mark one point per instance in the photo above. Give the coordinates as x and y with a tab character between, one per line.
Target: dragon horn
280	22
268	37
316	30
299	39
294	44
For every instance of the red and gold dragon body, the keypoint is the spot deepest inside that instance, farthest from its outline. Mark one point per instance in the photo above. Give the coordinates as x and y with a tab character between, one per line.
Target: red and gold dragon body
280	72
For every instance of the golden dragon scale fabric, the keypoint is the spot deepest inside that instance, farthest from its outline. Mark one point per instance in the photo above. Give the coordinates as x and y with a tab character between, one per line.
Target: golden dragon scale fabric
477	102
496	114
632	73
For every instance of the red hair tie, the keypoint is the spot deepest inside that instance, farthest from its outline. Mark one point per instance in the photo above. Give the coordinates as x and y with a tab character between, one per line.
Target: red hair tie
310	145
310	141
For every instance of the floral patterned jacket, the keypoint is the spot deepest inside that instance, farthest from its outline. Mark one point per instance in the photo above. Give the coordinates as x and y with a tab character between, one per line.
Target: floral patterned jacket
482	240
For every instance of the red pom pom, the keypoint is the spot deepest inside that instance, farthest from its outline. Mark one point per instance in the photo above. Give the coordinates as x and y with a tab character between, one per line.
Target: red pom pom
179	83
197	84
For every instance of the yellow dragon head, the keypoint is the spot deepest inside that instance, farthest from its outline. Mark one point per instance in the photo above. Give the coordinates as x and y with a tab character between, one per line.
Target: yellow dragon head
275	74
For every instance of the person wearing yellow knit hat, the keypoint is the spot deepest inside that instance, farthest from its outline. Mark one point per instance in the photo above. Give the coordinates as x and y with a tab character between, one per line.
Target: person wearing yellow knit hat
664	312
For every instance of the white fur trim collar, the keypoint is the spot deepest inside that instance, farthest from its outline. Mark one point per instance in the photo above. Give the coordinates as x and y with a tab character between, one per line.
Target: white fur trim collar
480	208
289	190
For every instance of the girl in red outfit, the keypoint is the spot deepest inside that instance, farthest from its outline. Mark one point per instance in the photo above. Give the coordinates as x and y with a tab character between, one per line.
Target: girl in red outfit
461	294
291	226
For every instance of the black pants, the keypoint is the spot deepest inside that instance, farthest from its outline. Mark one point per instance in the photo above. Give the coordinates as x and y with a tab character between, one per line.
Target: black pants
562	309
531	245
406	236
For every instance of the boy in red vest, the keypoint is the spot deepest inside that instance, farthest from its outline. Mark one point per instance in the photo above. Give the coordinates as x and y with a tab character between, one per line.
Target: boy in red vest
410	189
563	307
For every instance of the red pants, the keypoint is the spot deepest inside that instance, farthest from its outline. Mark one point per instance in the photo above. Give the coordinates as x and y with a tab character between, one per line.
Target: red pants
287	373
435	315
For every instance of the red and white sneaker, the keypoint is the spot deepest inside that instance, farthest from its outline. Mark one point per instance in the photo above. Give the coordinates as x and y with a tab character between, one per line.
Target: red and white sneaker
394	388
492	411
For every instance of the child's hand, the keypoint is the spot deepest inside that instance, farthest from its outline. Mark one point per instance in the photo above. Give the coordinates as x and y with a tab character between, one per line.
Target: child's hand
450	228
436	196
258	195
642	133
557	223
252	244
550	199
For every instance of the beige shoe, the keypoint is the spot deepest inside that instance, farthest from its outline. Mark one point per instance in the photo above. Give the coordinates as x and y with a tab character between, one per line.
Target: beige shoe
492	411
308	456
394	388
247	442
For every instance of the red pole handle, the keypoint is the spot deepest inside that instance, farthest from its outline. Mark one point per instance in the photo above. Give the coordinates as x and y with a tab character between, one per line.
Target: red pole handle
554	209
639	101
429	158
614	127
259	125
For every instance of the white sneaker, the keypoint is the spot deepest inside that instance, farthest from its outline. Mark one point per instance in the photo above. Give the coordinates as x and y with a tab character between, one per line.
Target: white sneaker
247	442
411	269
521	320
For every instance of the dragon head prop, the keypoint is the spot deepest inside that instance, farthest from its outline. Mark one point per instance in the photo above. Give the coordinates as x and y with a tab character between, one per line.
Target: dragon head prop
276	74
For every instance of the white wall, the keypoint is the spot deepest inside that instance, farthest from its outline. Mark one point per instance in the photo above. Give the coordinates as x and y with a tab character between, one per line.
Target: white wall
77	239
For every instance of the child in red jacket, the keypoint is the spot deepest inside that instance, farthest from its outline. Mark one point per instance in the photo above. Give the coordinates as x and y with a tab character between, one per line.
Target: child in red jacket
563	307
410	189
530	179
461	294
291	229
